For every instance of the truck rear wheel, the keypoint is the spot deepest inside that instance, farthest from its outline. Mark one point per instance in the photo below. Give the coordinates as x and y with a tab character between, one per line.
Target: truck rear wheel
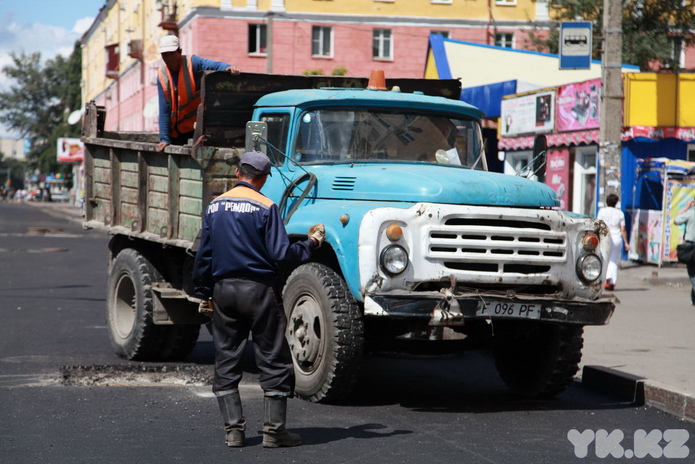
325	333
130	304
538	361
179	341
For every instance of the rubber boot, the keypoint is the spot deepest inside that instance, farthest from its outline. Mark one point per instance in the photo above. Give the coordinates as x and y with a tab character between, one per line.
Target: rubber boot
274	417
234	421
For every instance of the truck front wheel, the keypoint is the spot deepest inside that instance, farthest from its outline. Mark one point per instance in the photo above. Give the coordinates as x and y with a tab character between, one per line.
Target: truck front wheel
130	304
540	360
324	331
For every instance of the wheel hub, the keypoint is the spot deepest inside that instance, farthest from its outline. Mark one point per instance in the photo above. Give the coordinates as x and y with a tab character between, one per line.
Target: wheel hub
304	331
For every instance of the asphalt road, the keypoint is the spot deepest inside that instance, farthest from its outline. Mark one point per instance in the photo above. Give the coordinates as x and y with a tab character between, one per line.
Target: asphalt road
66	398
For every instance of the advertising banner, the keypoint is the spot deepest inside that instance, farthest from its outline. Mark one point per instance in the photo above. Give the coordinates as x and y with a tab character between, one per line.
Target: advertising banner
578	106
646	232
677	194
557	175
528	114
70	150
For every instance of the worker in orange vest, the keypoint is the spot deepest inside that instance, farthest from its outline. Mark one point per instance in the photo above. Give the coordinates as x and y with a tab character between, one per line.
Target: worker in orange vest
179	90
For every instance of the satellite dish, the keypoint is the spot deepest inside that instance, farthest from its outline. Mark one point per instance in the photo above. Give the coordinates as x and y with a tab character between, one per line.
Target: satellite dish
75	117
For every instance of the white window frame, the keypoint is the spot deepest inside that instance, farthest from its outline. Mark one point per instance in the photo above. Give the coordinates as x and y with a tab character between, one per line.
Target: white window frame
516	162
443	2
581	172
443	33
383	53
321	40
505	2
511	42
258	39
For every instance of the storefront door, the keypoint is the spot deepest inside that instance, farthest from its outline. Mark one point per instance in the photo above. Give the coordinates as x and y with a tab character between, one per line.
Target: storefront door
584	189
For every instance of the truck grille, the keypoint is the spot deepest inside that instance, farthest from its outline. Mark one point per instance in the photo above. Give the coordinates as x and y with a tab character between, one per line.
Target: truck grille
496	246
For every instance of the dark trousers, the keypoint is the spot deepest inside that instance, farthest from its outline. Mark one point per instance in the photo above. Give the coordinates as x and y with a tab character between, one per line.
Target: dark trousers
691	274
243	307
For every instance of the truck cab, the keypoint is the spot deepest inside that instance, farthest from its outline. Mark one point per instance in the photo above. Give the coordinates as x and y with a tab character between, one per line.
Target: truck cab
424	241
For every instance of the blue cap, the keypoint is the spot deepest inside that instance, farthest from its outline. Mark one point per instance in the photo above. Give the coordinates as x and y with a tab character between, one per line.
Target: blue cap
258	161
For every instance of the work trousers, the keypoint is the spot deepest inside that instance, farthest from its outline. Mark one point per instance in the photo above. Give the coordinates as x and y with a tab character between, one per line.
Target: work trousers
614	259
691	274
243	307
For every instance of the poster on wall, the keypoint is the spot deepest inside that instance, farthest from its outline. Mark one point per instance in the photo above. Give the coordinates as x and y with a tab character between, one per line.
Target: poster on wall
528	114
557	175
645	236
578	106
70	150
677	194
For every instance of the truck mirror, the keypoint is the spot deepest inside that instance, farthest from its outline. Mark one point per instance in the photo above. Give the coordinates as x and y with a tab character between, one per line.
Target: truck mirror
256	133
540	150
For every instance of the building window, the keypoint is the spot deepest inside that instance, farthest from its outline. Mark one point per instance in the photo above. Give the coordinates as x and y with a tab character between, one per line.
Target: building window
322	41
691	152
444	34
258	36
505	2
504	39
677	51
382	45
447	2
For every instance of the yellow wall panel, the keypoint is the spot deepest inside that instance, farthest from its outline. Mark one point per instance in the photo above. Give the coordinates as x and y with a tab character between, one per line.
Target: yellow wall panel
650	99
431	67
523	10
686	100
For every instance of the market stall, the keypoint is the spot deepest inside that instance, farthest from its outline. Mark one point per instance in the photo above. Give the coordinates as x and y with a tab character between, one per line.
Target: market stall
662	189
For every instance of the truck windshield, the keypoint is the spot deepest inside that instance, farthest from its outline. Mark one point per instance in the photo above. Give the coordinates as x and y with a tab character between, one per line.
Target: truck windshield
329	135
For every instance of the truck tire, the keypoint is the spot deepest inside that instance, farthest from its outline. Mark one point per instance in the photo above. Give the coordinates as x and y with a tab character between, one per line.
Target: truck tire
538	361
179	341
325	333
130	304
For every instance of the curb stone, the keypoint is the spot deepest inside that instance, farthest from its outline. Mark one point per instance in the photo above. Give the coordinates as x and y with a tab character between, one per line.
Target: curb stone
639	391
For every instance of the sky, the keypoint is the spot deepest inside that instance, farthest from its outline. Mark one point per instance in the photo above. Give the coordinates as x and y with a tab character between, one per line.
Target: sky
47	26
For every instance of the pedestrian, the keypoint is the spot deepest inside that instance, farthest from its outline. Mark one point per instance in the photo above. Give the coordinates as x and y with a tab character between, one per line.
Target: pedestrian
243	247
687	217
615	220
178	84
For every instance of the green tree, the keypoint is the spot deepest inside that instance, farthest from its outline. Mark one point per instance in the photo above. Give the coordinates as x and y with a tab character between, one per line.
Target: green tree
654	31
14	168
40	98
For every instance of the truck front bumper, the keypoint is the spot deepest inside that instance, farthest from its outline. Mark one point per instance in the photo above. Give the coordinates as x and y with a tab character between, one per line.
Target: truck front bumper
447	309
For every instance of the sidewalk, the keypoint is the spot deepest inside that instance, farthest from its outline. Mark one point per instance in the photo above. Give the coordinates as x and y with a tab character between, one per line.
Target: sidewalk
647	351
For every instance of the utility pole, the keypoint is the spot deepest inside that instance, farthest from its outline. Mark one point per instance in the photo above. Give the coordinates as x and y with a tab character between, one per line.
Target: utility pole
269	42
611	100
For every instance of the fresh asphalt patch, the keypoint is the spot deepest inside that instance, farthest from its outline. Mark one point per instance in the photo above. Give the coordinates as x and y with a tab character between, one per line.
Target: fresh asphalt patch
135	375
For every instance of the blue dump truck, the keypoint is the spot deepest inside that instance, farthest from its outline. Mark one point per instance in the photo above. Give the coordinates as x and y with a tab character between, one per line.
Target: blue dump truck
424	247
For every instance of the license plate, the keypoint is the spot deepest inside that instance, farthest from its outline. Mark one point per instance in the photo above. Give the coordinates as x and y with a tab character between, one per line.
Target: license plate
492	308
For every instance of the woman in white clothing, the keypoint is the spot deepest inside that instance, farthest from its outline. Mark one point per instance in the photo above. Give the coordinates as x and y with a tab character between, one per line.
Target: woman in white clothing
615	219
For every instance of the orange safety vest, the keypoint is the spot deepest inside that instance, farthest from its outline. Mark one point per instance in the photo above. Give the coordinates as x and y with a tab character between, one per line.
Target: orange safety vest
184	106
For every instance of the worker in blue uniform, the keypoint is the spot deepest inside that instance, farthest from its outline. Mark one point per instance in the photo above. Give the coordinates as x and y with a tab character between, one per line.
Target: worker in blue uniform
243	247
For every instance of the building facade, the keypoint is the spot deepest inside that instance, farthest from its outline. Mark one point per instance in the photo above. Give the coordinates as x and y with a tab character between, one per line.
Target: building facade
120	58
12	147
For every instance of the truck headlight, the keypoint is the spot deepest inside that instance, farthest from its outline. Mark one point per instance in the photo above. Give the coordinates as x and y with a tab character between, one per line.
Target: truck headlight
589	268
394	259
